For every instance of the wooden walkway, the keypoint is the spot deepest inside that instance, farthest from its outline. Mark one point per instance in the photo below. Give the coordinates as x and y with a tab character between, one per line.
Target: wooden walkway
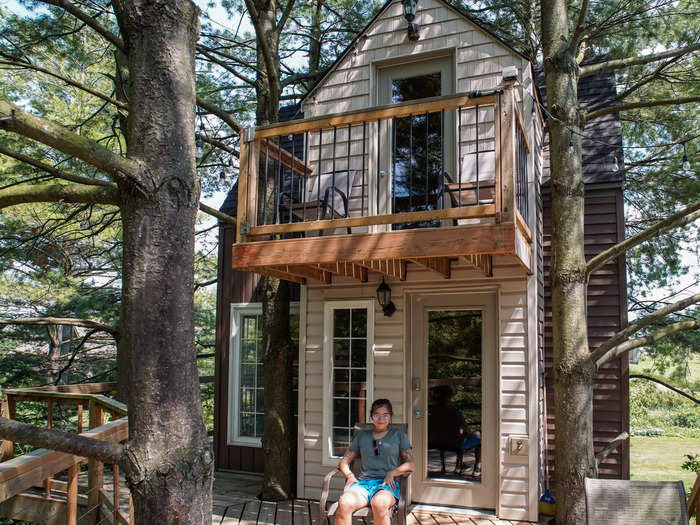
235	503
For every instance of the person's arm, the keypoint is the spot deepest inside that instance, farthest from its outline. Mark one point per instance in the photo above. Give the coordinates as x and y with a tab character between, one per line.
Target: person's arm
405	467
344	467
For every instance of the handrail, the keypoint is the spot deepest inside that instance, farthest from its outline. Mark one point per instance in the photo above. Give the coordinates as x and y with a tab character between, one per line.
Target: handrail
694	500
401	109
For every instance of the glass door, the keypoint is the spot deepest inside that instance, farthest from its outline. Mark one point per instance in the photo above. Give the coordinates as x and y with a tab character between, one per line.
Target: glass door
453	405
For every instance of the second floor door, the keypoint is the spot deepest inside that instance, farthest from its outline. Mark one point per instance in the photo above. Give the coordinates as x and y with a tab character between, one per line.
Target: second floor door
419	148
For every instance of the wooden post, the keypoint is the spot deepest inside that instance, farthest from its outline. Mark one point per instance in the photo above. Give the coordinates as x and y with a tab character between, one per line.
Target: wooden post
95	469
80	418
72	496
115	472
11	414
6	447
131	510
505	152
49	424
242	211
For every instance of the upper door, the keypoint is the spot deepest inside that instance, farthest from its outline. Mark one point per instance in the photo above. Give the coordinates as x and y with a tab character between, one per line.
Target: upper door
419	147
453	399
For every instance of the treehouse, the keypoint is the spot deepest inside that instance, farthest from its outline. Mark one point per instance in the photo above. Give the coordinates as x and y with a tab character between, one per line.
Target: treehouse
407	197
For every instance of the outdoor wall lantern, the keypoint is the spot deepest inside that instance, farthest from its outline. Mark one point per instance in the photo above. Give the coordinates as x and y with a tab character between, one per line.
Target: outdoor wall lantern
384	299
409	13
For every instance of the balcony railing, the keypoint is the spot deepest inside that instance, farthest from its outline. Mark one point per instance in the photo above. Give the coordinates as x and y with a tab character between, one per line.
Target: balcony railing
445	161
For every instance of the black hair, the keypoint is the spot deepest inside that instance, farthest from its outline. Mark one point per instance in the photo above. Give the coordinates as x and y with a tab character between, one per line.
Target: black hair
381	403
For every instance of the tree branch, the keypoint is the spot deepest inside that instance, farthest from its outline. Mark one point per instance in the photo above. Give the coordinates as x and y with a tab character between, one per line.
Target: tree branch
102	96
67	321
619	440
223	217
670	387
18	121
638	325
285	16
580	27
611	65
90	21
74	193
215	110
681	218
218	144
650	339
645	80
53	171
642	104
61	441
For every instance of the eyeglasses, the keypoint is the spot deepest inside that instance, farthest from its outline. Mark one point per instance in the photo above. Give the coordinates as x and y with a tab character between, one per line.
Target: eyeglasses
378	417
376	447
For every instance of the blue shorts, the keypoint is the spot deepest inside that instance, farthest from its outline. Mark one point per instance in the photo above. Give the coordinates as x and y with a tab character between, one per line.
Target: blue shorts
471	441
369	487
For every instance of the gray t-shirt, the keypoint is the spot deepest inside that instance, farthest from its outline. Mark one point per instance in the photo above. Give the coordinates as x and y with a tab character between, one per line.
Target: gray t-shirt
389	448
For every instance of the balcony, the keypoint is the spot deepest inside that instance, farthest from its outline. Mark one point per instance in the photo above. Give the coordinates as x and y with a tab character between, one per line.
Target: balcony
423	182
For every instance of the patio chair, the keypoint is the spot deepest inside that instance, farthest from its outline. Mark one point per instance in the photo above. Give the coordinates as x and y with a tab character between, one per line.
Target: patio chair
399	511
325	196
625	502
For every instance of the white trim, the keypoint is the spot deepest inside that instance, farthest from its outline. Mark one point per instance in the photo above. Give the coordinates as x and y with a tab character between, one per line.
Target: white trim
233	438
301	406
328	307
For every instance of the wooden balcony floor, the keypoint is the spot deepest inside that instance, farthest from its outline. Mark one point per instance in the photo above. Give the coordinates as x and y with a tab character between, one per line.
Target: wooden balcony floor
235	503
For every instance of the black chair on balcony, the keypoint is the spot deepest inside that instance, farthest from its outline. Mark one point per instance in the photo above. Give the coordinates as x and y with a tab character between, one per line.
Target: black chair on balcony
321	197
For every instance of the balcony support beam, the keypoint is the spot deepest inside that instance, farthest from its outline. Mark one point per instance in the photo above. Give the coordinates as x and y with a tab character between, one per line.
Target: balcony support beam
481	263
440	265
455	241
346	269
395	268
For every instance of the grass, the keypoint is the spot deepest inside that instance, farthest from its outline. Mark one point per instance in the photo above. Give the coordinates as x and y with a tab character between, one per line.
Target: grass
660	458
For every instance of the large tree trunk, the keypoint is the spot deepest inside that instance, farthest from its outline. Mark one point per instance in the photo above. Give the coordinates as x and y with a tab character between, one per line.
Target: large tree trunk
573	371
169	464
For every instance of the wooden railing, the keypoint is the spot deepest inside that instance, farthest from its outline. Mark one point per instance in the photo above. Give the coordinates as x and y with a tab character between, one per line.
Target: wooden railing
64	499
469	152
694	501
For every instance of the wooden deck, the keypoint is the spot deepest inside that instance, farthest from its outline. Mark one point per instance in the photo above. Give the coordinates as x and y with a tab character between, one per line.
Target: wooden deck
235	502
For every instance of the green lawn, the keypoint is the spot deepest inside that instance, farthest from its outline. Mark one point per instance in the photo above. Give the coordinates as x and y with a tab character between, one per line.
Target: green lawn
660	458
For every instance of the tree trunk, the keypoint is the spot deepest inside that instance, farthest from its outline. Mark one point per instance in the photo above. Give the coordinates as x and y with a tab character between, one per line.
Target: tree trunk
169	464
573	371
315	36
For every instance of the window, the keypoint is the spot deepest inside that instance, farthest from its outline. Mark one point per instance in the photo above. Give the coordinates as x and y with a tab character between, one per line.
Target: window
246	402
348	371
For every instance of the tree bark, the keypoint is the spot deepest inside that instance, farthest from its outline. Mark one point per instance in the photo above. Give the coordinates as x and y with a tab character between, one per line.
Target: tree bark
169	462
573	371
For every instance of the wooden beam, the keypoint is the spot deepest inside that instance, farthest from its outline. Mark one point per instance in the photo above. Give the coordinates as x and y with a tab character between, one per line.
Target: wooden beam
243	175
523	227
305	272
507	154
482	263
463	212
439	265
402	109
35	509
86	388
395	268
273	151
346	269
276	274
521	126
494	239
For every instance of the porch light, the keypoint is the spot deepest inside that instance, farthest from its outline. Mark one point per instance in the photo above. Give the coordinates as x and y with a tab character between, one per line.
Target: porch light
384	299
409	13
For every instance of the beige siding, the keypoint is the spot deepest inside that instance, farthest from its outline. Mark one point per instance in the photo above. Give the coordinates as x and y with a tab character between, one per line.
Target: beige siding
390	360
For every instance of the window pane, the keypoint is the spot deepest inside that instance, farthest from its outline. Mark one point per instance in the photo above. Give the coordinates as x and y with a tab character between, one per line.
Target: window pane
247	375
359	353
359	322
341	323
248	351
341	352
341	416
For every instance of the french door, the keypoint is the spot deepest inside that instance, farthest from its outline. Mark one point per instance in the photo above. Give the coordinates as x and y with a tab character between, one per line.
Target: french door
453	399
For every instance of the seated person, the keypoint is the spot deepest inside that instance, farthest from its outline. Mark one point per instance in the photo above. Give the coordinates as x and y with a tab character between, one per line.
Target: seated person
380	451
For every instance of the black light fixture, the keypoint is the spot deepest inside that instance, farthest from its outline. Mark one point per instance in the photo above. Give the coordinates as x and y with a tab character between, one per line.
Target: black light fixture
409	13
384	299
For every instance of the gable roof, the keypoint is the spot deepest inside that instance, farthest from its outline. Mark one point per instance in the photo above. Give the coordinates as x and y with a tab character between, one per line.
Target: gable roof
379	13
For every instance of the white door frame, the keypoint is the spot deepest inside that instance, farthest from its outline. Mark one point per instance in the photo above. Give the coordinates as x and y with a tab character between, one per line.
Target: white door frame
454	492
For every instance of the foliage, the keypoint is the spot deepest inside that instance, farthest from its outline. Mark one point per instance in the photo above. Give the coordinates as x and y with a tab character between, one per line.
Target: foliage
692	464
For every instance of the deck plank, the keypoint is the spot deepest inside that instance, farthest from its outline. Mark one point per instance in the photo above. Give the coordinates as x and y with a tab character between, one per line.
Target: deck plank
268	510
249	516
315	512
284	512
301	514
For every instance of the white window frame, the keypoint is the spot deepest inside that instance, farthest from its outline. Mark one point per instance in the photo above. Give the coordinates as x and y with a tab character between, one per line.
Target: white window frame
328	308
234	381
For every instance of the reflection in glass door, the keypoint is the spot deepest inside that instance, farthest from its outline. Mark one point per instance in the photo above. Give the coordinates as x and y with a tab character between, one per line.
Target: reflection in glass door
454	395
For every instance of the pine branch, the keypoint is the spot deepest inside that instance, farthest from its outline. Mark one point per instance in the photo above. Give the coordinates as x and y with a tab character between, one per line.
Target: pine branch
580	26
73	193
670	387
42	130
617	108
683	217
640	324
70	82
646	340
53	171
66	321
646	79
217	111
223	217
612	65
62	441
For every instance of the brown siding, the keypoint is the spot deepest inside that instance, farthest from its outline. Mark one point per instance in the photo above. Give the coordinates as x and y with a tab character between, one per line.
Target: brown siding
607	313
233	287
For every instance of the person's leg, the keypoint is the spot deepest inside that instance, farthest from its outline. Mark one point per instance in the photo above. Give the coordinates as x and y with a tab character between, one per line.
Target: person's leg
350	501
381	504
